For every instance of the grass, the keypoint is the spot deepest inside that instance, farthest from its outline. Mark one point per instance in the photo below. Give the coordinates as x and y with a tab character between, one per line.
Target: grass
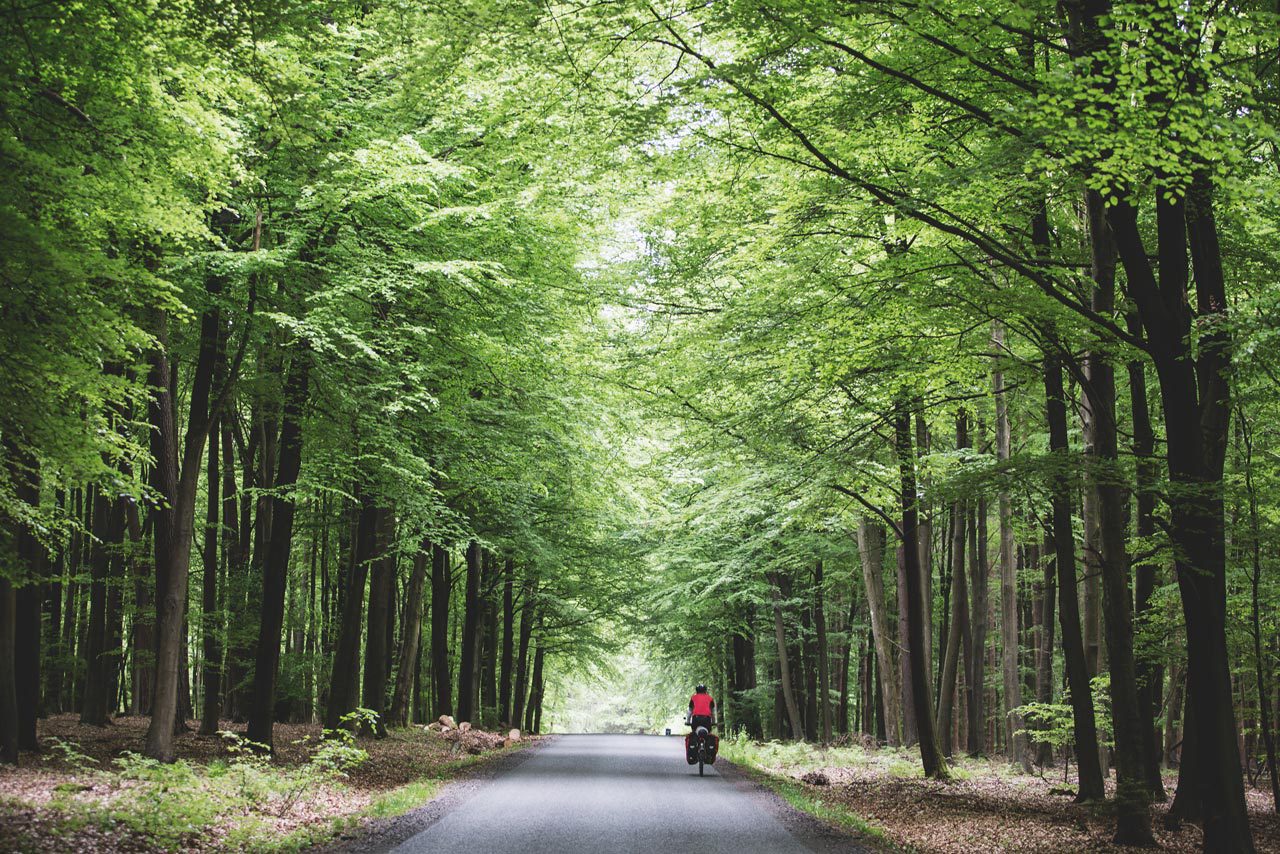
756	758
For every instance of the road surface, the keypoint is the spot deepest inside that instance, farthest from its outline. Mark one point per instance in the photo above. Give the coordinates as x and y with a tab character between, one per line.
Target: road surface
623	793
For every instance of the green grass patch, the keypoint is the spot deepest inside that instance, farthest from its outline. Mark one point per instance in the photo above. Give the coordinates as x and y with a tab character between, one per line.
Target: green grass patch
761	762
405	798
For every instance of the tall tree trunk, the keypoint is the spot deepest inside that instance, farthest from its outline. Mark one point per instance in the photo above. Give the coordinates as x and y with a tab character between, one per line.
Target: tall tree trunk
958	627
346	659
410	643
8	677
975	679
527	609
489	641
784	663
276	566
910	734
935	765
175	476
535	693
94	709
211	673
1015	742
440	588
824	675
744	675
871	543
1084	729
508	640
1044	647
1259	665
471	623
381	584
28	598
1146	571
1133	819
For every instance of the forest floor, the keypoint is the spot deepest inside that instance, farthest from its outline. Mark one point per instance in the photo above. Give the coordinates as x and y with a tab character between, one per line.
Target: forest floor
92	791
988	806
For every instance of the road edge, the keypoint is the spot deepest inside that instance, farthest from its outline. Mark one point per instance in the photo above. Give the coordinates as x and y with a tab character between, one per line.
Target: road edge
380	835
816	834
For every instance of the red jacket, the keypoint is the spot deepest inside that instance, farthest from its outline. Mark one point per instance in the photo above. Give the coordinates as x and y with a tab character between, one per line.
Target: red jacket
702	704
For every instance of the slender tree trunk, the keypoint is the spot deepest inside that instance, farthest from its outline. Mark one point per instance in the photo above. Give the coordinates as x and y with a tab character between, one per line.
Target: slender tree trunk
211	672
527	609
276	566
824	675
8	677
958	626
381	583
909	732
1044	649
346	659
94	704
784	664
1084	730
470	634
409	646
1146	571
871	543
440	588
744	669
535	693
1015	743
508	640
935	765
975	681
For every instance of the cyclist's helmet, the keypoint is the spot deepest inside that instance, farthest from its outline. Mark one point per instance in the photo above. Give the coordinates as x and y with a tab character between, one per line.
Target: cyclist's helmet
701	689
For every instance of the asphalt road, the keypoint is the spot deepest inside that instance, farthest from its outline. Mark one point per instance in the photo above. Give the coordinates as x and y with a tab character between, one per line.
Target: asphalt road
623	793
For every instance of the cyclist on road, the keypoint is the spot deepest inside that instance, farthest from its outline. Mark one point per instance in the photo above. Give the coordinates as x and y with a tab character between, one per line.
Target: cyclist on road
702	709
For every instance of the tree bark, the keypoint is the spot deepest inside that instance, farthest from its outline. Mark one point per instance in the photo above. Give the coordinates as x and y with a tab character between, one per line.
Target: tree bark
975	680
441	583
211	647
276	568
527	608
1084	729
508	640
871	543
467	667
381	583
784	664
411	639
958	627
346	659
935	765
824	675
1015	743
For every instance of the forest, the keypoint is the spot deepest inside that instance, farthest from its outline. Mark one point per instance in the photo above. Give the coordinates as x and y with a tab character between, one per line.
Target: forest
906	370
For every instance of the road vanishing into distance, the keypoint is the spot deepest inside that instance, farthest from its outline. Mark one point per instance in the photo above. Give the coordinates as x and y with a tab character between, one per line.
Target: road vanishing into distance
622	793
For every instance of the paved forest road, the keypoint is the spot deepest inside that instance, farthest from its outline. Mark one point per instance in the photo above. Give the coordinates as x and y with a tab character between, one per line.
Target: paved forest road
624	793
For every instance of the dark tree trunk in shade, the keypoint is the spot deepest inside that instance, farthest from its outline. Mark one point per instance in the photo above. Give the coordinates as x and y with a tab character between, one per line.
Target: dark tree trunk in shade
1045	640
958	623
467	666
808	665
1064	561
8	678
346	659
381	581
276	564
1145	572
910	731
489	640
744	676
211	629
94	709
24	474
935	765
975	678
784	664
440	585
871	546
824	666
411	643
846	661
535	693
508	641
521	692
